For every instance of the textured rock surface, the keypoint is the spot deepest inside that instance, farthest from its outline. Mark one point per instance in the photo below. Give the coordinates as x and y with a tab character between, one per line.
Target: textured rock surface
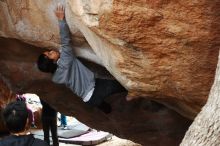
165	50
162	50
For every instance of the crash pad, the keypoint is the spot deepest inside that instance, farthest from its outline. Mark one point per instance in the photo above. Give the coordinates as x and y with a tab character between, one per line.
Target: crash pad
93	137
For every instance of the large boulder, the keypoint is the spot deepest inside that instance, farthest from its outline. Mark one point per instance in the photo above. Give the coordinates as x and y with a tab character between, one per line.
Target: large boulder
163	50
160	50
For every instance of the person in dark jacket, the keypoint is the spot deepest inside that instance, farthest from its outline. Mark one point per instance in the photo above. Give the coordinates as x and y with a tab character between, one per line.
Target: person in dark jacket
49	122
15	116
68	70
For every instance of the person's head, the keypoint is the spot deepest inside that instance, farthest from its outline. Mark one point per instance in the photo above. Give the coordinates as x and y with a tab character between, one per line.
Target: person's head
15	116
47	61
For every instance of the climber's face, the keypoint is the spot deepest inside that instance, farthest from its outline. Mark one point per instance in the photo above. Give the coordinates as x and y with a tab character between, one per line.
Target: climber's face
52	54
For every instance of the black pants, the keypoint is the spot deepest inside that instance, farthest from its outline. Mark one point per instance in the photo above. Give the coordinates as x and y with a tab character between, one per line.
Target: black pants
103	89
50	123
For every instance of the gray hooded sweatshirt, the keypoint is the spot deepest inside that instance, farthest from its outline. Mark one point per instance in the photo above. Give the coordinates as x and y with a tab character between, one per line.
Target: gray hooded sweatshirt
70	70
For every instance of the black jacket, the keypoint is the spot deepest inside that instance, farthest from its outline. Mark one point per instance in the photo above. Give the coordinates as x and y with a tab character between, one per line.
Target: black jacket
26	140
47	110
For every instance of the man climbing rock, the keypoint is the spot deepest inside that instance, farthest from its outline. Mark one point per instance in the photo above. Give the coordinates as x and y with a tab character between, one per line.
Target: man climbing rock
68	70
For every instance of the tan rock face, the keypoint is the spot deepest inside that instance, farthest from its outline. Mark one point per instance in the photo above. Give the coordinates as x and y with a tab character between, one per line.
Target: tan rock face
162	50
165	50
169	48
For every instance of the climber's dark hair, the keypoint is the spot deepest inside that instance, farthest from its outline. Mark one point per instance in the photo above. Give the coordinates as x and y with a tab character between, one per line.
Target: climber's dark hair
15	116
45	64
